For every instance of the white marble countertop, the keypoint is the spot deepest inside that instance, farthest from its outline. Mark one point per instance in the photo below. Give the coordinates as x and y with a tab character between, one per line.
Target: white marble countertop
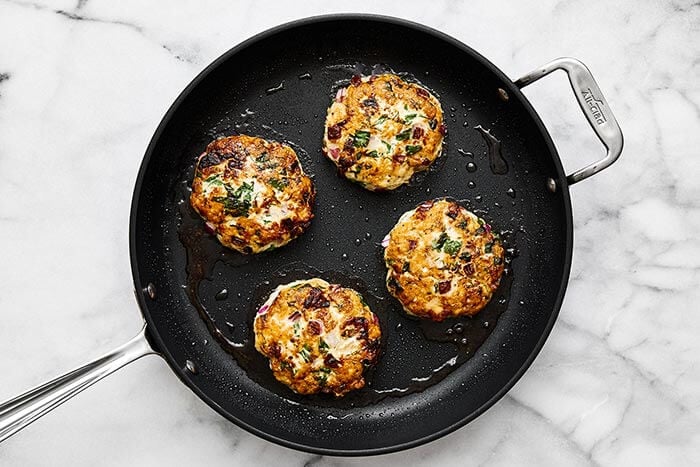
82	88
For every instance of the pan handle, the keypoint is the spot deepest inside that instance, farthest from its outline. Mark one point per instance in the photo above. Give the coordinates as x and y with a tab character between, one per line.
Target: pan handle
594	107
19	412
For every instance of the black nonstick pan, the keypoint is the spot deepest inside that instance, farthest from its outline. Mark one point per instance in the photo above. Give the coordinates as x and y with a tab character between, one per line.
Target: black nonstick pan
198	299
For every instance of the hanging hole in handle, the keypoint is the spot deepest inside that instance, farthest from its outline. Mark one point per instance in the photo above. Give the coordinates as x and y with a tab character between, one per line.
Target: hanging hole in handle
594	107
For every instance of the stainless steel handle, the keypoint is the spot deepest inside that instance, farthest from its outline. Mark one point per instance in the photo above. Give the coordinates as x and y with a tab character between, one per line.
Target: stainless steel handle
19	412
594	106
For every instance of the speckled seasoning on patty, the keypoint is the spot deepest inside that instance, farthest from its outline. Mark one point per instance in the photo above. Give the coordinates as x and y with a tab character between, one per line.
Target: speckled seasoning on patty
443	261
252	193
381	130
319	337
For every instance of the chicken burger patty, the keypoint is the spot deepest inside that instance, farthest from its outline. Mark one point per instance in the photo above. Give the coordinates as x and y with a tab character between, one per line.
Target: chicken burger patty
380	130
319	337
443	261
252	193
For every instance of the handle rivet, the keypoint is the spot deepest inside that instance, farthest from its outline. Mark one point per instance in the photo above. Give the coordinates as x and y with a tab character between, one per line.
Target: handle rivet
503	95
191	367
150	291
551	185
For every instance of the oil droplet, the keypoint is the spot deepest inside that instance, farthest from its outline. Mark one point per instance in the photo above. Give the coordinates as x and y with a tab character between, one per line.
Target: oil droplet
458	328
485	324
221	295
358	242
477	198
464	341
471	167
275	89
498	165
398	326
521	303
230	326
427	191
366	219
471	184
367	234
465	153
449	331
305	76
344	257
510	192
191	367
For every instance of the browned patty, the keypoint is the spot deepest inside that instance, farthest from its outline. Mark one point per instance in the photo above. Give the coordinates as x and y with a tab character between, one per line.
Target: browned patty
443	261
252	193
319	337
381	130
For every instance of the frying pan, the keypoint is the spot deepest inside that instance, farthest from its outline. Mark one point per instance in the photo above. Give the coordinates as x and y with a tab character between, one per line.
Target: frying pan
198	300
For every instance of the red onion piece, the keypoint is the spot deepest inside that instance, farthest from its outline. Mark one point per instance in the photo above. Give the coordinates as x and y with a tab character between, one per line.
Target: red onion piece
210	228
385	241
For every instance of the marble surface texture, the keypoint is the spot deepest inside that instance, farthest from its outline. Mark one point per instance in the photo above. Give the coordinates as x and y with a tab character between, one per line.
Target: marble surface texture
82	88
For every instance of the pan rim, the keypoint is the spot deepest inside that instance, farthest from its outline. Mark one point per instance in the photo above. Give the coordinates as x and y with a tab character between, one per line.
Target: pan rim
156	340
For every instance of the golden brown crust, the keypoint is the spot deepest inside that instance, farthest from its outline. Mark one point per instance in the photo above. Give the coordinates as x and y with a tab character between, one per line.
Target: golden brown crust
253	193
319	337
381	130
443	261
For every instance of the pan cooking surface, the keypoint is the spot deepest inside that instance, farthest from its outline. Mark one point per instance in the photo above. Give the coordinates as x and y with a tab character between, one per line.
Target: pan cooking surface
427	382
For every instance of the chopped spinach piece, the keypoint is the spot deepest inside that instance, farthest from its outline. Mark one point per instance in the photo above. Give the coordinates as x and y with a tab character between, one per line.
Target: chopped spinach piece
237	202
409	117
373	154
380	120
412	149
322	346
305	353
214	179
388	146
278	184
452	247
437	244
361	139
404	135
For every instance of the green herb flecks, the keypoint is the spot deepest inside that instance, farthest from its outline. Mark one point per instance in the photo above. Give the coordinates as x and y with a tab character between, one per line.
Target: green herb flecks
408	118
388	146
412	149
214	180
452	247
237	202
380	120
322	345
373	154
278	184
437	244
404	135
361	139
322	375
446	244
305	353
